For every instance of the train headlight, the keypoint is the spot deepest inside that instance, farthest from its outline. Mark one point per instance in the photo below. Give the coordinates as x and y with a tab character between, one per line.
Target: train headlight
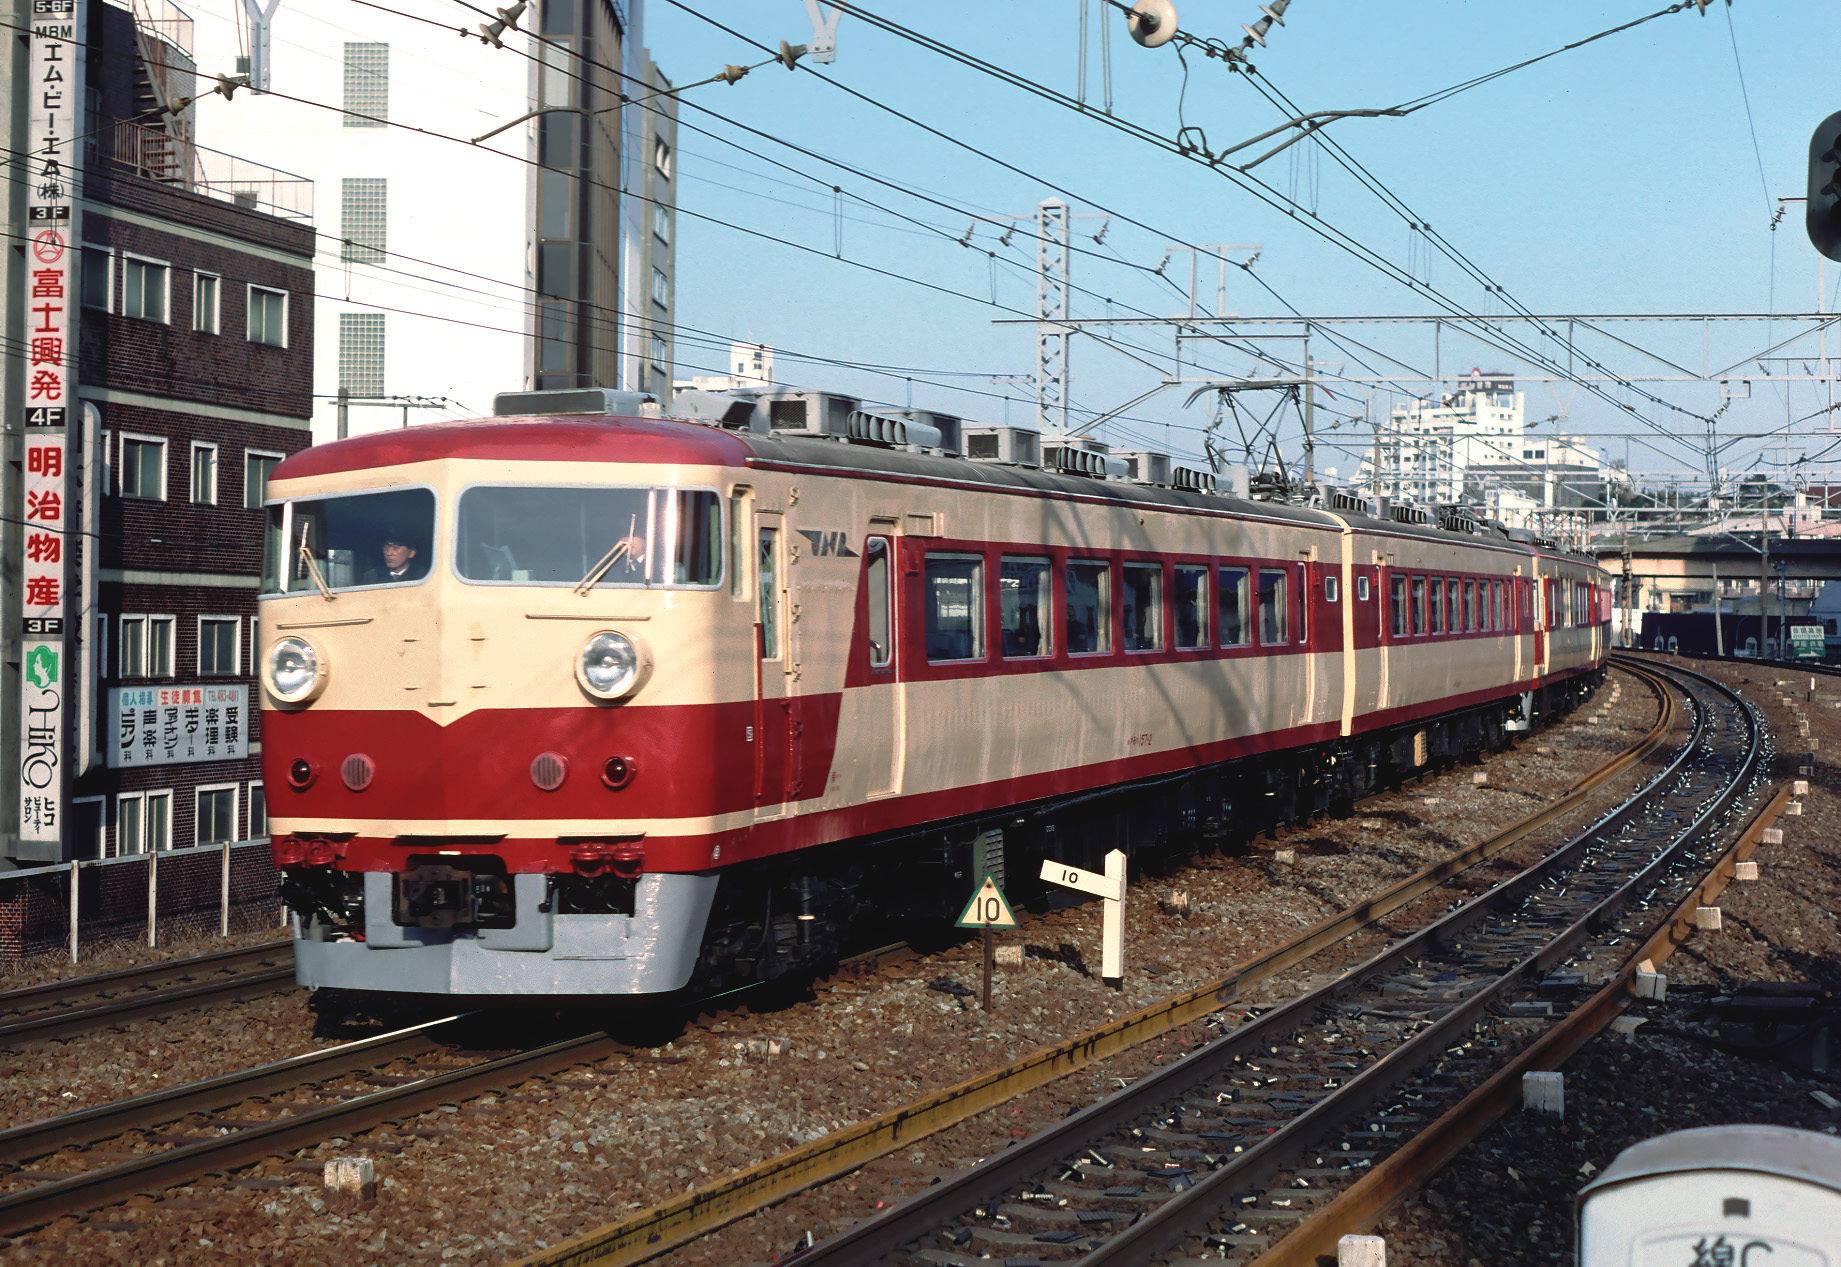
612	665
294	672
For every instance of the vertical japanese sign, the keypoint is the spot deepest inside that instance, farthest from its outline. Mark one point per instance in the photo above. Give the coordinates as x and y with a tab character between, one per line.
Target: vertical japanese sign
54	88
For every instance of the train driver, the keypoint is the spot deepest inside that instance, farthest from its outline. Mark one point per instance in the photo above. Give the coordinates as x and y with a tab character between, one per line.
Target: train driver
399	563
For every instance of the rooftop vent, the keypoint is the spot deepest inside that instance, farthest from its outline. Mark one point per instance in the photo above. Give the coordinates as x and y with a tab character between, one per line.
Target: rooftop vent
947	425
1187	477
868	428
719	409
1458	519
1355	503
1014	446
1404	514
809	413
1147	466
572	400
1082	457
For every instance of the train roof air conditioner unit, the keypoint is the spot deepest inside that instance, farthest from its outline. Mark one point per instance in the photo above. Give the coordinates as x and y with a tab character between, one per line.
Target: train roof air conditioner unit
809	413
734	410
1082	457
1013	446
1147	466
948	425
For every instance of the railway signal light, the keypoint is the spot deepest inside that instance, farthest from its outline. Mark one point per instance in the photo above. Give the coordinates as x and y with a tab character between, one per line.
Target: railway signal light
1822	214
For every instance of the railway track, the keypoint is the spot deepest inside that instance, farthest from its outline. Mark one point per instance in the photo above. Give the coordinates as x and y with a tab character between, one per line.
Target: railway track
64	1009
1222	1152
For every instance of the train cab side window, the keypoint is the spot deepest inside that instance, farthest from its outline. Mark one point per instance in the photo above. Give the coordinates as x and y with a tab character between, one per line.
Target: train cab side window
1023	588
1332	589
1361	589
1438	604
1396	599
955	607
1231	591
767	573
1272	607
1142	606
876	572
1089	607
1418	606
1189	607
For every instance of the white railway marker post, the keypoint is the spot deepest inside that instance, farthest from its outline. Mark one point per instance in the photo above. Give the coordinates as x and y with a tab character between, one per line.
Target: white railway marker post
988	910
1110	887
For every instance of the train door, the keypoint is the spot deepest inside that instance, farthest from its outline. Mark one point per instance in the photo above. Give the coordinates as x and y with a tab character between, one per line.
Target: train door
879	704
775	736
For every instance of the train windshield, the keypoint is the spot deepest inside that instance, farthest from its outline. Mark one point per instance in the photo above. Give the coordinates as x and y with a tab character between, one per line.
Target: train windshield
349	542
588	536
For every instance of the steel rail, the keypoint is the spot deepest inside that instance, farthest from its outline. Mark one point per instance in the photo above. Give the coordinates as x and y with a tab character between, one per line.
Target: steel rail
71	990
41	1026
1363	1204
157	1108
35	1207
1166	1227
670	1224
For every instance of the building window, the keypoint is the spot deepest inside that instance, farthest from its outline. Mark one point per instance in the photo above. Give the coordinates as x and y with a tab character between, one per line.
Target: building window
143	290
661	158
955	607
147	646
361	219
98	279
204	303
661	222
661	288
361	353
143	467
661	353
367	85
218	652
257	470
258	812
216	822
143	821
268	317
204	473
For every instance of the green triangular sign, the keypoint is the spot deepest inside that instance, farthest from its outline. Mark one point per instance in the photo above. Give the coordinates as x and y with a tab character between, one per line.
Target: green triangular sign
988	909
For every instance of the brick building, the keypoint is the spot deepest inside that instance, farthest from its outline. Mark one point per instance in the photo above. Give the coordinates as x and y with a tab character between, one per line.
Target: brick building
193	379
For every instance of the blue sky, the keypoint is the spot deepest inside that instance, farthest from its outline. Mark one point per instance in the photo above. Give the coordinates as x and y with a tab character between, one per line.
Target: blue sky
1620	177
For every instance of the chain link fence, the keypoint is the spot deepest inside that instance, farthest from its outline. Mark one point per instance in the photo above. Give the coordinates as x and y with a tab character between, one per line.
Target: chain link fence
146	899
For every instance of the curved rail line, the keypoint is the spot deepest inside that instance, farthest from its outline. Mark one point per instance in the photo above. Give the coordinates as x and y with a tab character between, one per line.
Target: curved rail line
62	1009
673	1223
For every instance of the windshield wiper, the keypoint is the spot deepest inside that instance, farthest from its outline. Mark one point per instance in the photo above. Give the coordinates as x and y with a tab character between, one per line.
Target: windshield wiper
622	549
313	564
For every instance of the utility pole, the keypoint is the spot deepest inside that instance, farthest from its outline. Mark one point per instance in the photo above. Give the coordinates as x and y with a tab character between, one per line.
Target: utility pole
345	412
1764	587
1719	634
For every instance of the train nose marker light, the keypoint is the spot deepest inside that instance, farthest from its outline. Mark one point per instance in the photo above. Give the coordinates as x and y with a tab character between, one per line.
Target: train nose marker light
301	773
358	770
617	772
549	769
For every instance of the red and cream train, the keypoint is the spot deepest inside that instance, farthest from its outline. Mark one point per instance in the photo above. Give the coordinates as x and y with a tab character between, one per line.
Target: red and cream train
655	701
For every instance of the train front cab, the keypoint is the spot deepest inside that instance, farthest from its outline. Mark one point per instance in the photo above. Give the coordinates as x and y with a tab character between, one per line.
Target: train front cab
500	771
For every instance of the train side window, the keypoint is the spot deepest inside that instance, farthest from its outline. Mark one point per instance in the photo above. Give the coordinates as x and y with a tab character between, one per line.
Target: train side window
955	607
1332	589
1231	602
1418	606
1438	604
876	573
1023	588
1271	607
1089	607
768	582
1454	598
1141	599
1495	596
1396	599
1303	605
1189	607
738	544
1361	589
1470	606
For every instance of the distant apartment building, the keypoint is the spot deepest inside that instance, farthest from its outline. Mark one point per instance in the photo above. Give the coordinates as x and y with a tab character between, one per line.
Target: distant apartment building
451	271
750	369
1473	444
189	296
